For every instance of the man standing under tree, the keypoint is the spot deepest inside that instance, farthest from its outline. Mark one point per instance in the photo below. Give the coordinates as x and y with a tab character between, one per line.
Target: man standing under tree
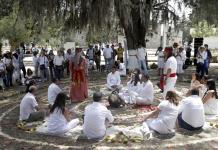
208	60
141	55
120	51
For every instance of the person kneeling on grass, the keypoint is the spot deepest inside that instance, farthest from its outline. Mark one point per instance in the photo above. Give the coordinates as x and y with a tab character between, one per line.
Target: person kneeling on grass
163	119
210	99
96	118
29	110
191	112
59	120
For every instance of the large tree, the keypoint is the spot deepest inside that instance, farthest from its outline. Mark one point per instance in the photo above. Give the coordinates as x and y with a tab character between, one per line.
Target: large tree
134	15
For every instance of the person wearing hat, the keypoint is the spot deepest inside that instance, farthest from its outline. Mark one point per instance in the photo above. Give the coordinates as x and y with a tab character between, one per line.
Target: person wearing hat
170	69
79	74
96	118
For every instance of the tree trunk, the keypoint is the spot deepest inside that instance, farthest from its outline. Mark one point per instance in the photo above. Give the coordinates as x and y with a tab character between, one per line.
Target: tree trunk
134	17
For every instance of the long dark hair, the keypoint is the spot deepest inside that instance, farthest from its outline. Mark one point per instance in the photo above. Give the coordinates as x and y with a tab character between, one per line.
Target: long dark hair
136	78
212	86
59	102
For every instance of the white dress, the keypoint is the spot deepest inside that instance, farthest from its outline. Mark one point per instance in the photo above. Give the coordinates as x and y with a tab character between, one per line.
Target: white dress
130	93
57	123
165	122
211	106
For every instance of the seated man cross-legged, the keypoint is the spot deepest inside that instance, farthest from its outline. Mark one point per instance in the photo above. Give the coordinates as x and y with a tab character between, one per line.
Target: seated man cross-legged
191	112
113	80
96	118
29	110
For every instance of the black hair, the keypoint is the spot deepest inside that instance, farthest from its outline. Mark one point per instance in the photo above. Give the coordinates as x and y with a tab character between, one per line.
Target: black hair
31	83
15	55
212	86
160	48
29	72
97	96
54	80
59	102
198	77
195	92
137	78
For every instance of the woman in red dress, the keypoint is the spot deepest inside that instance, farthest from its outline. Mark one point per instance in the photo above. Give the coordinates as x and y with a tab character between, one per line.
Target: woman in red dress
79	72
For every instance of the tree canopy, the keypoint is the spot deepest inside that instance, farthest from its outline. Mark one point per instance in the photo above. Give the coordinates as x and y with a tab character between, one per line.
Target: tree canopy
136	17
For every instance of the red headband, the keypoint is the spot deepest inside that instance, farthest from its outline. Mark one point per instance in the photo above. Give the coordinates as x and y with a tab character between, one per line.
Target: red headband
168	49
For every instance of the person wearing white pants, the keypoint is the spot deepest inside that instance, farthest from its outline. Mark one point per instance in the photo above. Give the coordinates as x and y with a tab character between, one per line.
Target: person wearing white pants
163	120
170	69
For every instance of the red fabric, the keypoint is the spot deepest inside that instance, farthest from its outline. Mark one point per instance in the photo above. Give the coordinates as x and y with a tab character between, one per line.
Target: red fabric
79	84
171	75
162	80
168	49
147	108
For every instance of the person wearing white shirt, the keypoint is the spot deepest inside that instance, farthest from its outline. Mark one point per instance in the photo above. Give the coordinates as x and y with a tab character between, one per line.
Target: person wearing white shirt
170	69
163	120
191	112
141	54
36	64
160	59
129	93
16	73
121	68
201	58
58	63
68	57
210	99
43	64
29	110
145	92
96	118
107	53
59	121
113	79
53	91
180	58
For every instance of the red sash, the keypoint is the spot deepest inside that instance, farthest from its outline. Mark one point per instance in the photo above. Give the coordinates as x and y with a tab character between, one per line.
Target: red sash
162	79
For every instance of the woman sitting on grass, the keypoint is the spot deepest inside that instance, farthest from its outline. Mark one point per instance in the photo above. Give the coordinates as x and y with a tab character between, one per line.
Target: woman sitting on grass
59	120
163	119
210	99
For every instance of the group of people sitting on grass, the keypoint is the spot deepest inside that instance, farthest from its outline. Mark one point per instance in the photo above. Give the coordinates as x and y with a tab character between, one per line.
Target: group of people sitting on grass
171	113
